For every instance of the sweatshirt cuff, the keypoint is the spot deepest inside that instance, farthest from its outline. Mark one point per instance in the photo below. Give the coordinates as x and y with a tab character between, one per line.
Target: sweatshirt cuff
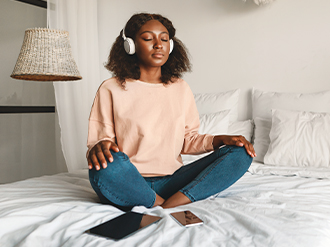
93	145
208	143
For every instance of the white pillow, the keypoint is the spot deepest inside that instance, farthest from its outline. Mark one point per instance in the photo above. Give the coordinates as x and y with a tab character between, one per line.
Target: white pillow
244	128
264	102
215	102
213	124
299	139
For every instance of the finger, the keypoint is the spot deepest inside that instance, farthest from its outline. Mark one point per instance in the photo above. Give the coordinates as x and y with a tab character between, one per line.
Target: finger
92	159
252	150
240	141
114	147
95	161
90	163
107	154
100	153
106	150
249	149
101	158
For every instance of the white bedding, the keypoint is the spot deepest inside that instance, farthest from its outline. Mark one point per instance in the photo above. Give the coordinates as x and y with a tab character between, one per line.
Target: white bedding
259	210
307	172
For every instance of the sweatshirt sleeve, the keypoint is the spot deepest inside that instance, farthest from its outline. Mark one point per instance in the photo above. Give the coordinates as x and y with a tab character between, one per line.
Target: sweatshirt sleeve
101	124
194	143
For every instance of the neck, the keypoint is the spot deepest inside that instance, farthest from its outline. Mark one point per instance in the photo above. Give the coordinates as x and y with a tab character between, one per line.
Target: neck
151	75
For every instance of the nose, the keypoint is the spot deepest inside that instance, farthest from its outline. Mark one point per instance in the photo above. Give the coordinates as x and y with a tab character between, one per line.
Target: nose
158	44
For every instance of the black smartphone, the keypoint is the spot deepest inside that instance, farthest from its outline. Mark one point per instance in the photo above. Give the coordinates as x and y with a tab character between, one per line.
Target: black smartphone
123	225
186	218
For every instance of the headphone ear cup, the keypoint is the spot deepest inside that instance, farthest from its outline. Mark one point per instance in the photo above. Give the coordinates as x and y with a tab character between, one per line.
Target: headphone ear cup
129	46
171	45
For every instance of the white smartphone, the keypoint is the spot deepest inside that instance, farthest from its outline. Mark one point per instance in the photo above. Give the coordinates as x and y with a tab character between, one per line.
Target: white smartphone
123	225
186	218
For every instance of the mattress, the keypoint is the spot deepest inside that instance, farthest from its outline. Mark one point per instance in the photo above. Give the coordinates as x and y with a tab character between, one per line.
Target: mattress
262	209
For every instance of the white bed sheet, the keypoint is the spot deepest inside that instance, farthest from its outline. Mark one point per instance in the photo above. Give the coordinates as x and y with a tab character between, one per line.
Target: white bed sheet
259	210
307	172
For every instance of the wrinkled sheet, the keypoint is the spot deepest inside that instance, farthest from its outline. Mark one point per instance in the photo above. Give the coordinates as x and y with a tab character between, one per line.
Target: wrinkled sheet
259	210
307	172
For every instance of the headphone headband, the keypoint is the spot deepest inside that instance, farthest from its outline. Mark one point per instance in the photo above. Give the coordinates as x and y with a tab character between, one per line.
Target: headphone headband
123	33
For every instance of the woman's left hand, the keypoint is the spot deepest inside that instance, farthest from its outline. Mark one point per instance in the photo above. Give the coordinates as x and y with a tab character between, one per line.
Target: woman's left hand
239	141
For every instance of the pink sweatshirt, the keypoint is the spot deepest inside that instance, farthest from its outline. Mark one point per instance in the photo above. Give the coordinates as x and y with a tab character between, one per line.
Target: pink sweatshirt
152	123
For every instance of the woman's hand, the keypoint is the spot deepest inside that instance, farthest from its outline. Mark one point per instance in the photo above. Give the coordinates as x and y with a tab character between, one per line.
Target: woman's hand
239	141
99	153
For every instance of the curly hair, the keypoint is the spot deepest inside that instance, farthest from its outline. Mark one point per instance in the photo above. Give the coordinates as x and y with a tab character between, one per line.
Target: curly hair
124	66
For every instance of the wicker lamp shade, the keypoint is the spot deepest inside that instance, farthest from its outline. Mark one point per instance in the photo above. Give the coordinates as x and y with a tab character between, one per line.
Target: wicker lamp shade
46	56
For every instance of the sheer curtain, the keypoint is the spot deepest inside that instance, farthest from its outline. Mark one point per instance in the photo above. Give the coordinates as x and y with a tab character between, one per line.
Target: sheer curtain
74	99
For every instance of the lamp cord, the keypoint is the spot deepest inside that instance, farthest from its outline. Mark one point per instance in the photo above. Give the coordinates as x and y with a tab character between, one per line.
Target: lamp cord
48	14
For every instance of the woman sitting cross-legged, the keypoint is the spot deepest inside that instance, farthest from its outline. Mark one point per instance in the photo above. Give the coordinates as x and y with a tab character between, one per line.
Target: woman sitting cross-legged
144	117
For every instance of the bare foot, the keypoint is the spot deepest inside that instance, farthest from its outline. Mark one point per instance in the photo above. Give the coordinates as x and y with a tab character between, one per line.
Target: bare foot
159	201
176	200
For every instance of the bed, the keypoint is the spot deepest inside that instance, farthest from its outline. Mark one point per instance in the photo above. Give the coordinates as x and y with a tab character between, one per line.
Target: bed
283	200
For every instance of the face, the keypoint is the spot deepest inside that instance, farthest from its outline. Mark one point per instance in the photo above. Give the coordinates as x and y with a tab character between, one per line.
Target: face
152	44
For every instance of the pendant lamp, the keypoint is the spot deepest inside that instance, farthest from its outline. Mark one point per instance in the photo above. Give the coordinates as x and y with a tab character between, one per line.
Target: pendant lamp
46	56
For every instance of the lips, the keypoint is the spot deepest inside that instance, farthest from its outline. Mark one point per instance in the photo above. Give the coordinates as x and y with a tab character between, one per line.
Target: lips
158	55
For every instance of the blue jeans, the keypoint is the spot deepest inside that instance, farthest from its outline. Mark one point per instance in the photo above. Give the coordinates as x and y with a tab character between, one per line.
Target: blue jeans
121	185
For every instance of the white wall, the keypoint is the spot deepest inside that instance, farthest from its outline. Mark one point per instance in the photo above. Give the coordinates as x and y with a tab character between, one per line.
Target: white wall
282	46
28	144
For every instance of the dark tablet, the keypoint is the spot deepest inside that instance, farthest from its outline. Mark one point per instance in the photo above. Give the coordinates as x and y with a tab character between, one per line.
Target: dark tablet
123	225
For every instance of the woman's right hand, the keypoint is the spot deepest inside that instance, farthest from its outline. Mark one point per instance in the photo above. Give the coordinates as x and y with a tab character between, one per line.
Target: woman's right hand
99	153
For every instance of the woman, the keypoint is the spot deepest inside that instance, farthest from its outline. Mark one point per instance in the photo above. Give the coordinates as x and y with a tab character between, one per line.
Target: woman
144	117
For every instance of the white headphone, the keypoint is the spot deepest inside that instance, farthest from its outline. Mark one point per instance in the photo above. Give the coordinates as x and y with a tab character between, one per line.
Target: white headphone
129	45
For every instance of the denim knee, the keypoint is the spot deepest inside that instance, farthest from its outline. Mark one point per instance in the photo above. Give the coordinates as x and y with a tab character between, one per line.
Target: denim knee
231	163
242	156
239	151
121	183
118	158
119	166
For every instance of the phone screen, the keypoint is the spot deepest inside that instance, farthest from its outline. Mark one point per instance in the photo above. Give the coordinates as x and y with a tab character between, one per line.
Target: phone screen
186	218
123	225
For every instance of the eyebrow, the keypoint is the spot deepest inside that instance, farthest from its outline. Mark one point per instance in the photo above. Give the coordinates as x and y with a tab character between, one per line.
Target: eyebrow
153	32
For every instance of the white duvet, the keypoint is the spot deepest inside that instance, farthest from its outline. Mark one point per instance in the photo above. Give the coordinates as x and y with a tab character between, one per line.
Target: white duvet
259	210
